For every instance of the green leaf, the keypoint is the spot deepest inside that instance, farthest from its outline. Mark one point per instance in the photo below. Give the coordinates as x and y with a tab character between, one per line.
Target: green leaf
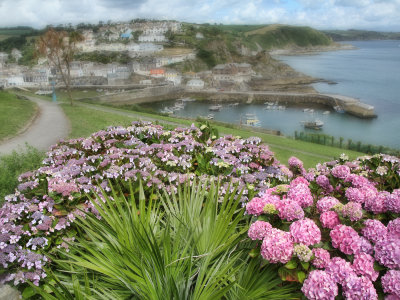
290	265
28	292
305	265
254	252
301	276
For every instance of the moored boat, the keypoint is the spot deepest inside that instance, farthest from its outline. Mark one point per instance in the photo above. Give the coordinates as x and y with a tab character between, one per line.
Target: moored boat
316	124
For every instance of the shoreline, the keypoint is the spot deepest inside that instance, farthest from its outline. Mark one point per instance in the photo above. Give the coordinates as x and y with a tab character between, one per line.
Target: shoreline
311	50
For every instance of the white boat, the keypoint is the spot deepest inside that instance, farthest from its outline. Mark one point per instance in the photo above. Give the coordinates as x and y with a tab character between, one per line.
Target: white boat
167	111
252	120
316	124
327	112
215	107
339	109
306	110
281	107
210	117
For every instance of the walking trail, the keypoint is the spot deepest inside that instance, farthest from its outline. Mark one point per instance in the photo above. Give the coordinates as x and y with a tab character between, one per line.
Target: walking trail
48	128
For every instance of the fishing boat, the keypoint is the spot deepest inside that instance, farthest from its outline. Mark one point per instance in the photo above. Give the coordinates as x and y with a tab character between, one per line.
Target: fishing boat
316	124
252	120
215	107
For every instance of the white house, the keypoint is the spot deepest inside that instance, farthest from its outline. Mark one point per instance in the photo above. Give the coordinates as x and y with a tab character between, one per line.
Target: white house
152	38
173	76
195	84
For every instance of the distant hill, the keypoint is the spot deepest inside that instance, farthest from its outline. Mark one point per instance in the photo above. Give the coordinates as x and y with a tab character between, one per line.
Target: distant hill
360	35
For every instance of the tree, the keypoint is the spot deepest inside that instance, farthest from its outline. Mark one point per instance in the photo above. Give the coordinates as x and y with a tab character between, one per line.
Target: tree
60	47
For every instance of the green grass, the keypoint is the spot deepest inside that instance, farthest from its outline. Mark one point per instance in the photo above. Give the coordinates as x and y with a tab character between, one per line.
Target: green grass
12	165
15	113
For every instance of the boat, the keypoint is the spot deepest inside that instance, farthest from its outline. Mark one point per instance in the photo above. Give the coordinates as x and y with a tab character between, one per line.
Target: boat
167	111
327	112
339	109
281	107
252	120
188	99
210	117
215	107
316	124
306	110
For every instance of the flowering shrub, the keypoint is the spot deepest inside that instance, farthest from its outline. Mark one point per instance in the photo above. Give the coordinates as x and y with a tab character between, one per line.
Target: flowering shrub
40	215
341	218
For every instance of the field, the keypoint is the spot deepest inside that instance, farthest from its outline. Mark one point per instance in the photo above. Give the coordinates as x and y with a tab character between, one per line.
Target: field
175	51
15	113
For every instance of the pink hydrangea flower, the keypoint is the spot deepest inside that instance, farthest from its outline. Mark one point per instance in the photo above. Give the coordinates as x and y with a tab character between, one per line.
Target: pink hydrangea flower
366	246
392	297
259	229
394	228
319	286
321	258
255	206
346	239
374	230
356	288
341	171
301	194
326	203
377	204
355	195
339	269
302	252
322	181
353	211
392	203
391	282
387	252
329	219
277	246
290	210
299	180
294	162
363	264
305	232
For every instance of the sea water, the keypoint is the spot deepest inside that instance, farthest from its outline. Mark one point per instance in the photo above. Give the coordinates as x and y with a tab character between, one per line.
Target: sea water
371	73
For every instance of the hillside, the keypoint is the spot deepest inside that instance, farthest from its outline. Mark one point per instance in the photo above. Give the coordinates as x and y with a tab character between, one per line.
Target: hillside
360	35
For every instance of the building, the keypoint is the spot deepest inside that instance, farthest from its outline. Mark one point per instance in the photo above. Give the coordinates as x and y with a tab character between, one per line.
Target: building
173	76
152	38
232	72
195	84
157	72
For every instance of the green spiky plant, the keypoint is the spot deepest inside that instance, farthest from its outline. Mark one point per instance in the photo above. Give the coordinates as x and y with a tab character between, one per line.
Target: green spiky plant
188	245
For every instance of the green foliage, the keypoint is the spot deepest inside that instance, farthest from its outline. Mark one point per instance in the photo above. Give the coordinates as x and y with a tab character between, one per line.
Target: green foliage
207	57
11	166
104	57
187	245
324	139
12	42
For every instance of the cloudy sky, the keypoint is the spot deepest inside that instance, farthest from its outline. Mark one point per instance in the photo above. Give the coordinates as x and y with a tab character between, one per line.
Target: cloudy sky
322	14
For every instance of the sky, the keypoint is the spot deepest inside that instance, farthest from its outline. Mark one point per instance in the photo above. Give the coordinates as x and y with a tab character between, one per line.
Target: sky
381	15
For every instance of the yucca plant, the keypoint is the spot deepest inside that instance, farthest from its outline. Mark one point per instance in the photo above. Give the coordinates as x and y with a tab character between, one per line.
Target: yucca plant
184	246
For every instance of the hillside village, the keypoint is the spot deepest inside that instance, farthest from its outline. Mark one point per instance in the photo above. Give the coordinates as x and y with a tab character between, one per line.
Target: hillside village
150	58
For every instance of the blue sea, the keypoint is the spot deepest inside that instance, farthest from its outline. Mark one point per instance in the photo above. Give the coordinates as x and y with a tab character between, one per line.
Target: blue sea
371	73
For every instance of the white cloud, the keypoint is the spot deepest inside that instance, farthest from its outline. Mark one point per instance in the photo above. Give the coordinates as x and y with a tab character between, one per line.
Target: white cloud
368	14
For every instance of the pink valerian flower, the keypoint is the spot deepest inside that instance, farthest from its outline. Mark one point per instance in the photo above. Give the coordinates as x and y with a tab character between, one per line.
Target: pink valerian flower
290	210
391	282
321	258
341	171
259	229
363	264
277	246
305	232
329	219
326	203
355	195
255	206
301	194
302	252
353	211
377	204
294	162
387	252
319	286
356	288
374	230
339	269
346	239
394	228
392	203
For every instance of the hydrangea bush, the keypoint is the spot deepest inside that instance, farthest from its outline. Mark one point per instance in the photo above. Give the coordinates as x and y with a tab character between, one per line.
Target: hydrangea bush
335	228
39	216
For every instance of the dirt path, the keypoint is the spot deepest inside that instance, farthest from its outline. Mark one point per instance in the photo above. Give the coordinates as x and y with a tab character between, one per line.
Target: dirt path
48	128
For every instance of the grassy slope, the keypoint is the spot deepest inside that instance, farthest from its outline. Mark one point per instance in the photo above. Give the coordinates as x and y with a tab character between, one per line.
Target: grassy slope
15	113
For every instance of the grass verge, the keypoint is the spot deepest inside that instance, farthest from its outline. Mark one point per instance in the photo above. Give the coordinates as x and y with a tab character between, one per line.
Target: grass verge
15	114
